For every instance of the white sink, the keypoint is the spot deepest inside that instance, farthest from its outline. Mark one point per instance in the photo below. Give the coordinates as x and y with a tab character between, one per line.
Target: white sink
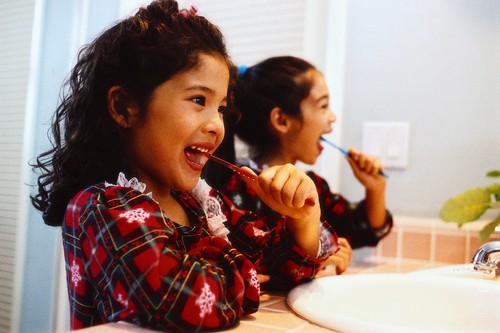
463	270
372	303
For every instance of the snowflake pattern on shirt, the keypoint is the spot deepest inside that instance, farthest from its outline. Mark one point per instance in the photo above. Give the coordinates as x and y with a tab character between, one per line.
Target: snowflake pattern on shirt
75	273
298	274
123	301
135	215
259	232
206	300
237	199
254	280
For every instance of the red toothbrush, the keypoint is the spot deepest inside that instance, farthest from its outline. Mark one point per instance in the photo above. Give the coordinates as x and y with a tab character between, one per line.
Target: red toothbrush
243	173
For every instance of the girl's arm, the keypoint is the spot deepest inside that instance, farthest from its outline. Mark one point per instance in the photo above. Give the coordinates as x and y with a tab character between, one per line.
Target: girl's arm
366	170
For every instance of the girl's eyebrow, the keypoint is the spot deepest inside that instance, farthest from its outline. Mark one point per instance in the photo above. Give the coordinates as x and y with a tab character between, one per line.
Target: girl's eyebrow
327	97
200	87
204	89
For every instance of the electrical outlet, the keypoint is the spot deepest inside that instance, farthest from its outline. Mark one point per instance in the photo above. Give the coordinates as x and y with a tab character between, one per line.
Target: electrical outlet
388	141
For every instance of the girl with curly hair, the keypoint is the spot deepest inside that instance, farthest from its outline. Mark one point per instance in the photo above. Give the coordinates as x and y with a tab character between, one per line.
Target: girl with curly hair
146	240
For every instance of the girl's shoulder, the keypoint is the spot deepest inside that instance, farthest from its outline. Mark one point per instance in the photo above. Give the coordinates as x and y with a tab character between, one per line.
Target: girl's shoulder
320	182
110	194
313	175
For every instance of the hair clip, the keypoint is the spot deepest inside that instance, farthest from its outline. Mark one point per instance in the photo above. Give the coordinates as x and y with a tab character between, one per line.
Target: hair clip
191	12
242	69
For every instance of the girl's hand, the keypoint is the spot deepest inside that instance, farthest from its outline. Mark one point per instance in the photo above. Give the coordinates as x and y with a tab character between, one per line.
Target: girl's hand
366	170
337	263
287	190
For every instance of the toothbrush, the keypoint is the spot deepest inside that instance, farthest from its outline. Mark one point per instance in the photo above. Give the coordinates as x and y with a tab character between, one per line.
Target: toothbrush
242	172
346	153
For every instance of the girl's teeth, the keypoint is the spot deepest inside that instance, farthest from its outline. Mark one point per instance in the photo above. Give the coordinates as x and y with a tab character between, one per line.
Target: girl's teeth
199	149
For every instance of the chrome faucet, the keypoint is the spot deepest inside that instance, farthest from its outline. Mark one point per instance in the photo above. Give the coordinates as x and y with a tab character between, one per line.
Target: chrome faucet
487	258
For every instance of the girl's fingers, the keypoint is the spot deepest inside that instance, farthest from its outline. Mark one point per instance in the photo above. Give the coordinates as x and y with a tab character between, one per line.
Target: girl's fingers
288	185
263	278
363	163
339	260
286	190
306	194
278	186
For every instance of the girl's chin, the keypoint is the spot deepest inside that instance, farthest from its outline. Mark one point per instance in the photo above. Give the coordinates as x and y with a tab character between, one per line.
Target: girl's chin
192	184
188	182
309	160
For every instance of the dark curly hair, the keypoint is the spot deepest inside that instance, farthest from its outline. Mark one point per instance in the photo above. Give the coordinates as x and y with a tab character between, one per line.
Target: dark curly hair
138	54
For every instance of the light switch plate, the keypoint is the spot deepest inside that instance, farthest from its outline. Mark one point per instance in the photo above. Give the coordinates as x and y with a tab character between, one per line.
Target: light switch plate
388	141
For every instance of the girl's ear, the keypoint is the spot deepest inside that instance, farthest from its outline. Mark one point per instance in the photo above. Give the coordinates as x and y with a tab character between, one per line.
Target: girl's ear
120	107
279	120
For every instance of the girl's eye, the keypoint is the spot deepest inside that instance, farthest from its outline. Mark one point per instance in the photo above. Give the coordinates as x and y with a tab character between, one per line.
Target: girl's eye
222	109
199	100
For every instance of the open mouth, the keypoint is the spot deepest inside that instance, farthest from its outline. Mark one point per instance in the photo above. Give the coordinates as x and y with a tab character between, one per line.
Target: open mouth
197	156
319	144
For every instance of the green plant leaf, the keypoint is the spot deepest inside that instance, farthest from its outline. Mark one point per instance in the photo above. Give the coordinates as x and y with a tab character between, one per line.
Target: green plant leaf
488	229
466	207
493	173
495	190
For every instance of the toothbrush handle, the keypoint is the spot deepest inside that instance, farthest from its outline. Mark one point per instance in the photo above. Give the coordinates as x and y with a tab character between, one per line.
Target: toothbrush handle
380	172
346	153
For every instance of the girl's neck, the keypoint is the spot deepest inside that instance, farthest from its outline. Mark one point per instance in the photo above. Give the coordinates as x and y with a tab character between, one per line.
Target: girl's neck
174	210
275	159
168	204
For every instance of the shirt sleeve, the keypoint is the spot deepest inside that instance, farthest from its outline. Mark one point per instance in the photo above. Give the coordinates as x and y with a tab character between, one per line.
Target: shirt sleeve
349	219
125	259
266	242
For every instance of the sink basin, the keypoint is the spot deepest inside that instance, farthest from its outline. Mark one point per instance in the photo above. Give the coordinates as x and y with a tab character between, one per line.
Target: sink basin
399	303
463	270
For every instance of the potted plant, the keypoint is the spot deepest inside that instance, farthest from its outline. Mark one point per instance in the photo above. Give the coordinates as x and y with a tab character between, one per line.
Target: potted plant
470	205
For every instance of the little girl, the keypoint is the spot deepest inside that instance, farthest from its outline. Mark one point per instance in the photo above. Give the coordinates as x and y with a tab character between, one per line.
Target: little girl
145	240
284	107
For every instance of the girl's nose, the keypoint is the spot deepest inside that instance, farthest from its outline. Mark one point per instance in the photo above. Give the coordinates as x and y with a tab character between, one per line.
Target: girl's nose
215	124
332	117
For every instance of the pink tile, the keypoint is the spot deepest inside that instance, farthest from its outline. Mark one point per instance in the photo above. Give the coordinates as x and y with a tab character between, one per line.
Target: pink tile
388	246
451	248
416	245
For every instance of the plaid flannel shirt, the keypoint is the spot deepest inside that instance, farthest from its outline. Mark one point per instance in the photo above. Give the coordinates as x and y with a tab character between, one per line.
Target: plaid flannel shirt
126	260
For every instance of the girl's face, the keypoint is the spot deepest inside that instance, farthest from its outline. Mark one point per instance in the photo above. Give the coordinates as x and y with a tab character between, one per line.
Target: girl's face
303	142
184	118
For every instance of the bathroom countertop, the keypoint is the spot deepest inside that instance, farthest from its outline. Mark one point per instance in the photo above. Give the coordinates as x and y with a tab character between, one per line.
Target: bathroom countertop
274	315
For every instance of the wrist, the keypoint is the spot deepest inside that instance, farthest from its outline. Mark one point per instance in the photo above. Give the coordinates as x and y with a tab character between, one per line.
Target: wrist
305	233
375	191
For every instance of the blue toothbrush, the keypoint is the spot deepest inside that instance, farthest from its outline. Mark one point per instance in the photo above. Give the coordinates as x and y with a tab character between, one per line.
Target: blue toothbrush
346	153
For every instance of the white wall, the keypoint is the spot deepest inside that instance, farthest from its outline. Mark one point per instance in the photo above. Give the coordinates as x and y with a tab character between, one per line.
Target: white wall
16	28
436	65
65	26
